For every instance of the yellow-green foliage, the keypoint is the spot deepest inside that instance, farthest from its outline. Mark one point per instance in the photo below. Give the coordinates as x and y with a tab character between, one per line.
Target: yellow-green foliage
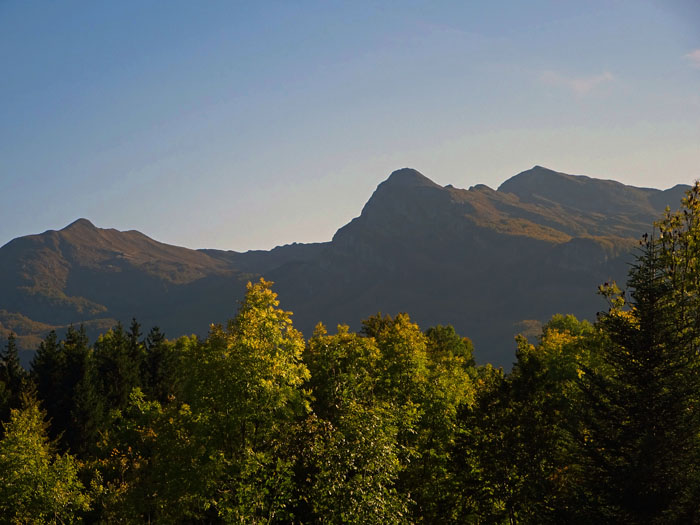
36	484
595	423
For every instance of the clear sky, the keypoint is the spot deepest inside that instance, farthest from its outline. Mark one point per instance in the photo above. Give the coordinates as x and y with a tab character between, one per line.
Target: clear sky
244	125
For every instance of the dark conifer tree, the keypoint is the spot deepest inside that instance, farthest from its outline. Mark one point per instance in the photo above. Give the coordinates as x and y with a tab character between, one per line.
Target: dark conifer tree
48	359
46	371
13	378
12	370
137	347
65	377
82	404
118	364
640	426
161	376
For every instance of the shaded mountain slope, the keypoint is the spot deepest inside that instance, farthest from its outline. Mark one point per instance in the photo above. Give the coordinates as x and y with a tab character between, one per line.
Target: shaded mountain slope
490	262
84	274
480	259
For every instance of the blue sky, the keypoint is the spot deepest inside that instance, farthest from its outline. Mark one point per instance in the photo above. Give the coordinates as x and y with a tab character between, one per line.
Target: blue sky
245	125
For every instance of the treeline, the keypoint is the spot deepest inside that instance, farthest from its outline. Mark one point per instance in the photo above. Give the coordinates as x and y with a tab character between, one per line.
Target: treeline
595	423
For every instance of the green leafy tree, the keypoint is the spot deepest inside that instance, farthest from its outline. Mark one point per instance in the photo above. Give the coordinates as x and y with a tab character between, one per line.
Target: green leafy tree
403	363
446	344
481	466
153	467
354	463
519	459
403	375
36	484
221	453
449	386
426	378
343	368
247	386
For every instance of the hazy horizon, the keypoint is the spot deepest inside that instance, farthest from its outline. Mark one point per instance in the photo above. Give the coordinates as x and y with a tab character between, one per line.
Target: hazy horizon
247	126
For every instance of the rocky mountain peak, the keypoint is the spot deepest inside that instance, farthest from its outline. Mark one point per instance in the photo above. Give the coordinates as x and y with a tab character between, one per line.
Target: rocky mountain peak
81	223
408	177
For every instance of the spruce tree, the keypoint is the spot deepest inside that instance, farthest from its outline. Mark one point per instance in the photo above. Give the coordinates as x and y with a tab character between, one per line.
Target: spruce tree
118	356
160	373
13	378
82	403
65	376
137	347
46	371
640	427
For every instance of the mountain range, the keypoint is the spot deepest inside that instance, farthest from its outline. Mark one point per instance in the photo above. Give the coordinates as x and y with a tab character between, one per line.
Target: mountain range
493	263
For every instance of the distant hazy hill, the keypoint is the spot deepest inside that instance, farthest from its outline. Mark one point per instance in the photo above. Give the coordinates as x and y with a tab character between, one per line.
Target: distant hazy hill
492	263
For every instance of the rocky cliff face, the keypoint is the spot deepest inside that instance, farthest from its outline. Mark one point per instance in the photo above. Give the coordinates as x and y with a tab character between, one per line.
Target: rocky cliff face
487	261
